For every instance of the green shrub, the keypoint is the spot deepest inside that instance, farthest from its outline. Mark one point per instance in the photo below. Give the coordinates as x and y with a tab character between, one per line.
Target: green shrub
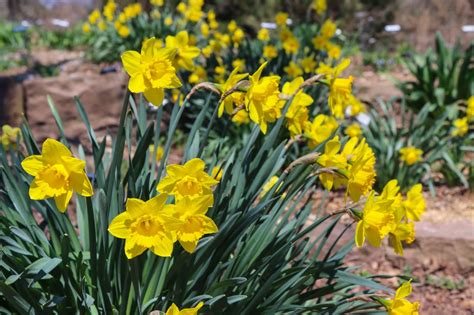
391	129
442	77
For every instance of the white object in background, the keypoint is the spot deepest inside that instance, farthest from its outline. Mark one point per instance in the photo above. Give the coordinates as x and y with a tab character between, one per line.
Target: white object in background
268	25
363	118
60	23
392	28
468	28
338	32
289	21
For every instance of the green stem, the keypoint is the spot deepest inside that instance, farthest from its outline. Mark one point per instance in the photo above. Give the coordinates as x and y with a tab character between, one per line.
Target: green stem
174	125
136	283
206	135
92	245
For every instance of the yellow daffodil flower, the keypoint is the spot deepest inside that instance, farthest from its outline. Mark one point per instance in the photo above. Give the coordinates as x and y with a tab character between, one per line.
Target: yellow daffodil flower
263	35
241	117
411	155
194	222
232	26
328	29
205	30
86	28
224	39
219	74
157	3
399	305
94	17
181	7
151	71
57	174
320	43
285	33
391	192
238	36
281	18
123	31
174	310
353	130
361	161
461	127
308	64
321	128
403	231
270	52
293	70
320	6
415	203
194	14
355	165
199	75
122	18
334	51
146	225
355	106
291	45
185	52
340	90
211	15
188	180
109	10
207	51
324	69
262	99
377	221
297	114
132	10
168	21
332	159
236	98
213	24
10	136
239	63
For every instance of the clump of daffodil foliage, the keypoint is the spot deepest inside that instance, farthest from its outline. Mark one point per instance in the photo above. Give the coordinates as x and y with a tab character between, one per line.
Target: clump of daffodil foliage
227	229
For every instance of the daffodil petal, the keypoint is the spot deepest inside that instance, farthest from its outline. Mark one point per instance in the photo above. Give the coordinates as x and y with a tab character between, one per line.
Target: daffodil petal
53	151
131	62
190	247
36	192
120	225
136	84
81	184
359	235
164	248
132	249
63	200
33	164
155	96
